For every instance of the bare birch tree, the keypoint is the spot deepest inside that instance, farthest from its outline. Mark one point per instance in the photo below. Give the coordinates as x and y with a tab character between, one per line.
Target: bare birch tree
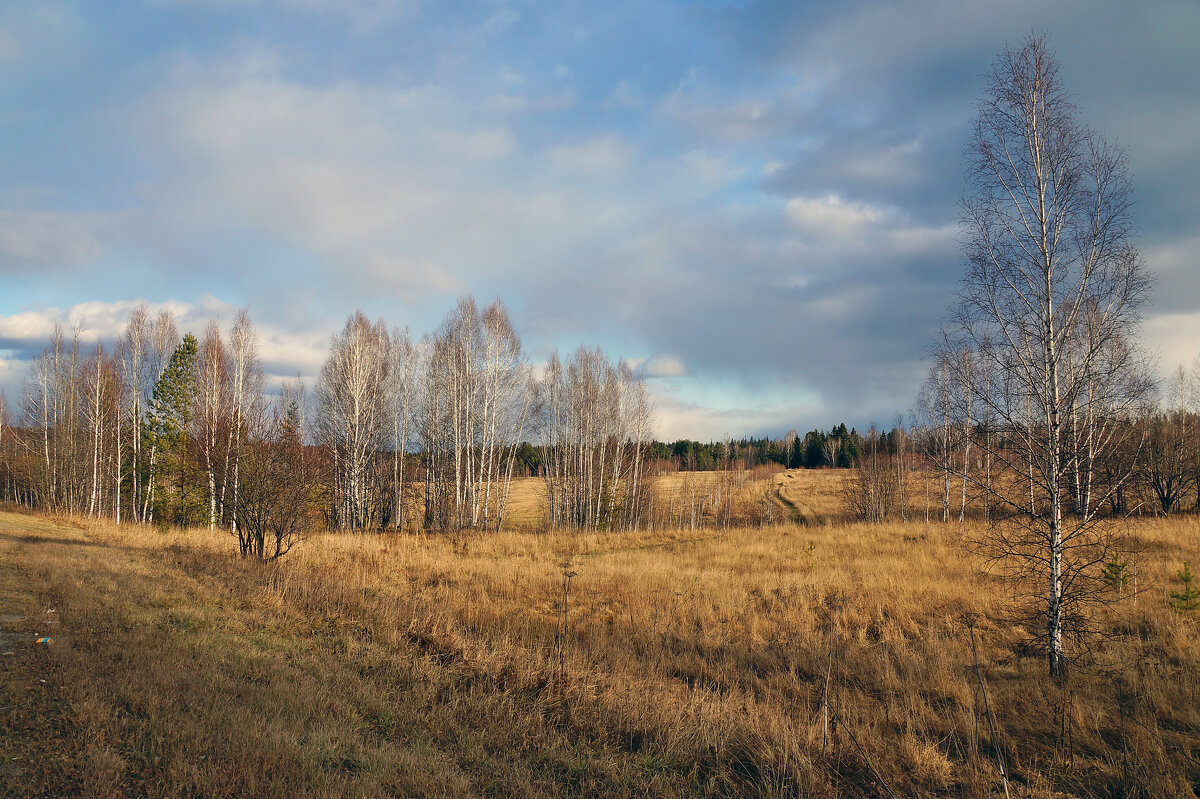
133	364
403	388
1050	303
212	416
353	420
245	406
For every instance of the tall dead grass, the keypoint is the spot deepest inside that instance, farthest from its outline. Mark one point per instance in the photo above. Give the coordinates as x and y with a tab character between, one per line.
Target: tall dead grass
692	665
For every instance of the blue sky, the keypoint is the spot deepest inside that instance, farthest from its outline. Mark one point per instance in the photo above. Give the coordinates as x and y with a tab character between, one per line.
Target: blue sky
754	201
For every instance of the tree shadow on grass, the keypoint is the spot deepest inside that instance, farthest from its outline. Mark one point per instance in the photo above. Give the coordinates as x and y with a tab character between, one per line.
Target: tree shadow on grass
34	538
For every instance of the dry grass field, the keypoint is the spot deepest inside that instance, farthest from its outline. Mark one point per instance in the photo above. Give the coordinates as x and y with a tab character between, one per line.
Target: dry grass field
812	495
679	665
800	495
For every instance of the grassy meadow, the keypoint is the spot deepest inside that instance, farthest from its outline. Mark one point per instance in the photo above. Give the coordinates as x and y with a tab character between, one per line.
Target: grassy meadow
797	495
647	664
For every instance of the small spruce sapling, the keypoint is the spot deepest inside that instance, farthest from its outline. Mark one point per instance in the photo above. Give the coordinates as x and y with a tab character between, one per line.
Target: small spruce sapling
1187	599
1116	573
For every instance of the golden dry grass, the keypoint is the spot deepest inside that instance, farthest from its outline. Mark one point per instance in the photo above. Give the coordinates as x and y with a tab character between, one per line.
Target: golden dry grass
801	495
689	666
813	494
527	504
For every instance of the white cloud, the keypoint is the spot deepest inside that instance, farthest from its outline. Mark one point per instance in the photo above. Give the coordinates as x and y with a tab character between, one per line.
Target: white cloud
94	320
285	352
1175	338
676	419
510	76
28	326
890	165
709	108
479	145
923	240
836	227
832	217
503	18
660	365
738	121
532	103
388	191
346	170
401	276
710	169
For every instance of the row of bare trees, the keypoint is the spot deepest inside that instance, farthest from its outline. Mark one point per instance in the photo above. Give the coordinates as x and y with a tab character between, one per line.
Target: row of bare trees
91	440
459	403
1141	455
174	430
158	428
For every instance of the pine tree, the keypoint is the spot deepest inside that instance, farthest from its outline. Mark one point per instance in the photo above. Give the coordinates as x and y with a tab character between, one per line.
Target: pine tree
178	498
849	454
814	458
1116	572
1187	599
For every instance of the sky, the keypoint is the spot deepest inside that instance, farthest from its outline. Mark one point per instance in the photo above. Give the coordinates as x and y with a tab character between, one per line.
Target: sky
755	203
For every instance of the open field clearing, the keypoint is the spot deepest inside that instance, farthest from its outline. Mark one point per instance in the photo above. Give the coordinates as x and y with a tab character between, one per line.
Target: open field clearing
801	495
681	665
811	495
804	496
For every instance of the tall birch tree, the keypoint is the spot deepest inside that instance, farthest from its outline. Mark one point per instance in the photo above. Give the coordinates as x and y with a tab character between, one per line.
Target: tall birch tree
1049	303
354	419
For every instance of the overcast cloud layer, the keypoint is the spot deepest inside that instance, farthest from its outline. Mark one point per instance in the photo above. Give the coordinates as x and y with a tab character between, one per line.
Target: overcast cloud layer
755	202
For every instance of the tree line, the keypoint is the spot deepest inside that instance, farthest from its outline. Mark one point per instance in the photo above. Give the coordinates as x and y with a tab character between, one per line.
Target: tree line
839	447
1149	464
178	430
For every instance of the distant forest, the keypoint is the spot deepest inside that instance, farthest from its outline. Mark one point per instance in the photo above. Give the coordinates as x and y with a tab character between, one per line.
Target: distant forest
838	448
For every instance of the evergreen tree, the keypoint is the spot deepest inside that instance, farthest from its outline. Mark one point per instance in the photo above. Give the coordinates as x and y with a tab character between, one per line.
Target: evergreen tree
849	453
177	494
814	456
1188	598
